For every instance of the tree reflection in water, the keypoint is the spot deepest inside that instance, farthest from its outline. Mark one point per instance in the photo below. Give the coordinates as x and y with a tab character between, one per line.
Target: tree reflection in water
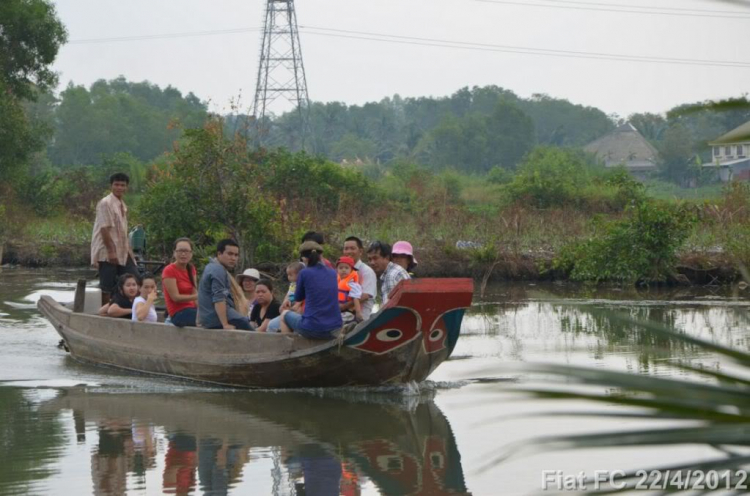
325	445
30	441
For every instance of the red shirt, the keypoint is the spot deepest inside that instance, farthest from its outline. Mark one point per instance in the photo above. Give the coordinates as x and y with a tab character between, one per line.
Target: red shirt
184	287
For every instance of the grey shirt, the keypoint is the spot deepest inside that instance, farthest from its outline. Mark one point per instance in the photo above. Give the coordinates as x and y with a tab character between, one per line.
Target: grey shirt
215	288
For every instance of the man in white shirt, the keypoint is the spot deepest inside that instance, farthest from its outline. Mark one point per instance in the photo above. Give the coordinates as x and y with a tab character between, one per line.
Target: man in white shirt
354	248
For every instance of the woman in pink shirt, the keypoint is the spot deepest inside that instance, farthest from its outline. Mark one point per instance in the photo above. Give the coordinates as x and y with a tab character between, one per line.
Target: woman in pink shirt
179	285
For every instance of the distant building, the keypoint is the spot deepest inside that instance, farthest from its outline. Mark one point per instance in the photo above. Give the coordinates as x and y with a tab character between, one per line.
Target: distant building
625	146
731	154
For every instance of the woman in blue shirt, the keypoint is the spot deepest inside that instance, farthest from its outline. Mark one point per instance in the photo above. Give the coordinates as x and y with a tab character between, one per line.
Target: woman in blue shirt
318	286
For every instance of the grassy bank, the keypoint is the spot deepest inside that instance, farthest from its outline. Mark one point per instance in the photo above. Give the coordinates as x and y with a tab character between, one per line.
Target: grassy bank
510	244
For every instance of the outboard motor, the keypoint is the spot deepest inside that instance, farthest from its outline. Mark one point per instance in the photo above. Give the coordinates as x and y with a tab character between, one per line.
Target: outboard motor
137	239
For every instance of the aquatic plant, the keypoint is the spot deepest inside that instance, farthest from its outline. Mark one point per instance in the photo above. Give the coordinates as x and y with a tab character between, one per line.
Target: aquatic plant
711	409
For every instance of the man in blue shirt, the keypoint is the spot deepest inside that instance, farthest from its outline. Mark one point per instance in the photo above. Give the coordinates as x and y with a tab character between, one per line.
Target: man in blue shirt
318	286
216	305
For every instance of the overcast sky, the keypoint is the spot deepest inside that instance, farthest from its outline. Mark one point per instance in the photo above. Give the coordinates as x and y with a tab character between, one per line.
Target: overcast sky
224	66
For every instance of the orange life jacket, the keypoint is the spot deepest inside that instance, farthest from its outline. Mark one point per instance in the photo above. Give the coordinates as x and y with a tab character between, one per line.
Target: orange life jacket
344	286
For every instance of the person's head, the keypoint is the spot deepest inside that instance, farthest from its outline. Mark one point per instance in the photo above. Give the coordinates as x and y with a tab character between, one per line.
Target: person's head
148	284
293	270
118	183
313	236
378	256
227	253
403	255
353	247
127	286
310	252
264	292
247	280
344	266
183	251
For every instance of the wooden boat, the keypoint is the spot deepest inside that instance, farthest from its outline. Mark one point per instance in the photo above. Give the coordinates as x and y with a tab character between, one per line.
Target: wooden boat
403	342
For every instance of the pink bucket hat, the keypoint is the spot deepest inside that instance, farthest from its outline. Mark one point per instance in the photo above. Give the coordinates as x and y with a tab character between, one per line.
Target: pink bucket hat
404	248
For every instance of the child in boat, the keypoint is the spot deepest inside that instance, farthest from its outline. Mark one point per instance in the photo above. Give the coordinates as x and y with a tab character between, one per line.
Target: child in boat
121	304
292	271
349	288
143	305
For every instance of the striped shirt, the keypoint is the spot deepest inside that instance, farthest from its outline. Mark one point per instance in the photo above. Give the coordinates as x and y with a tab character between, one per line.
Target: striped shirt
111	214
393	274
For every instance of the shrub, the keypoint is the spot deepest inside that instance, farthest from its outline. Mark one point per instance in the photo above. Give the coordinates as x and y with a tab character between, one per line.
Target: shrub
551	177
638	248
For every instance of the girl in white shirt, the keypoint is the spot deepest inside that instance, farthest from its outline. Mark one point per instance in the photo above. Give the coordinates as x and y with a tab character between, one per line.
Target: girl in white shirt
143	305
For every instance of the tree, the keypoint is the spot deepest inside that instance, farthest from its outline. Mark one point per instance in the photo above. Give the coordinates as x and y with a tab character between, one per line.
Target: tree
30	37
676	150
478	142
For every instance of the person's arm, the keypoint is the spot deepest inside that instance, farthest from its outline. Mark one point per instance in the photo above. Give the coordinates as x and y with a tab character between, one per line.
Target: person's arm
286	304
170	286
103	310
358	310
221	313
141	310
117	311
263	326
111	249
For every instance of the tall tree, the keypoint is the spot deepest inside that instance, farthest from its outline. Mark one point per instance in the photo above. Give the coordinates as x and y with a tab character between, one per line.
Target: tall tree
30	37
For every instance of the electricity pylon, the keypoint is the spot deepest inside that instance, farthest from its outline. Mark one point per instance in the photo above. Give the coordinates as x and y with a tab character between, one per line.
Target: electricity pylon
281	78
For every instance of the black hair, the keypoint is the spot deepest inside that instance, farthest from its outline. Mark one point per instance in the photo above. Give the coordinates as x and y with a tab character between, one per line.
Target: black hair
312	256
222	246
265	282
379	247
122	280
189	266
147	275
295	266
356	240
119	176
313	236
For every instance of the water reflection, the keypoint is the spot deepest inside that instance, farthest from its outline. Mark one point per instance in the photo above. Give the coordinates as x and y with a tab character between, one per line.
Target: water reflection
310	445
29	441
605	321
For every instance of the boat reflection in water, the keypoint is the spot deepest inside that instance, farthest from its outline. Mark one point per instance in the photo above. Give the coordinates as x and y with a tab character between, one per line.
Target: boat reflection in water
317	445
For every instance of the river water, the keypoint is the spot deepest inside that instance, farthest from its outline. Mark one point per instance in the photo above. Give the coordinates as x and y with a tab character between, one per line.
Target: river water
68	428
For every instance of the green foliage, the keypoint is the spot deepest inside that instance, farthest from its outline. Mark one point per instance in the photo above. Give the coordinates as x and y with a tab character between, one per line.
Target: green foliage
30	37
641	247
4	225
551	177
499	175
118	116
212	187
479	142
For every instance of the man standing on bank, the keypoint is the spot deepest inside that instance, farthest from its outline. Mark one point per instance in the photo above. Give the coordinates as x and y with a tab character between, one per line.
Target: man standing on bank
110	247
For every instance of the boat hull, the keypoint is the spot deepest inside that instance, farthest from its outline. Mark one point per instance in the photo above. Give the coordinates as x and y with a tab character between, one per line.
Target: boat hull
403	342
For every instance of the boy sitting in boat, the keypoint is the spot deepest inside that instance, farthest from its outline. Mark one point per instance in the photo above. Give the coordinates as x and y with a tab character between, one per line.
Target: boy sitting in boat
349	289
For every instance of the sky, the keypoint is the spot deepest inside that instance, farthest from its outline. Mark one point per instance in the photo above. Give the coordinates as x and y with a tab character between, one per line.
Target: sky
484	38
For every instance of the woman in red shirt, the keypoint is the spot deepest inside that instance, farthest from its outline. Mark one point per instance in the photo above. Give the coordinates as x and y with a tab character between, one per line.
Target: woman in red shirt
179	285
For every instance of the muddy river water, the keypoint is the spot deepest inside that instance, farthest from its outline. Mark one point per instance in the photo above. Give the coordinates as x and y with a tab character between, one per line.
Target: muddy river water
73	429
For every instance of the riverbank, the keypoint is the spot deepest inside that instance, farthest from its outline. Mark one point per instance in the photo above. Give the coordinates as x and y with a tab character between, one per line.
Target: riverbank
693	268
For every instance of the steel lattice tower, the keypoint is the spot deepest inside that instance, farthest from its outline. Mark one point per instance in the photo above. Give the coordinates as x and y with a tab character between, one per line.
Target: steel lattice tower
281	74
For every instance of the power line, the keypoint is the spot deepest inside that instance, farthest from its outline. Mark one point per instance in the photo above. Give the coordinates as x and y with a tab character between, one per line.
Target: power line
440	43
601	7
648	7
162	36
412	40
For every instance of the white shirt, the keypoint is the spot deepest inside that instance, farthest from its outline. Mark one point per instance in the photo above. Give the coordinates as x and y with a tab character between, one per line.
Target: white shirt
369	282
150	317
